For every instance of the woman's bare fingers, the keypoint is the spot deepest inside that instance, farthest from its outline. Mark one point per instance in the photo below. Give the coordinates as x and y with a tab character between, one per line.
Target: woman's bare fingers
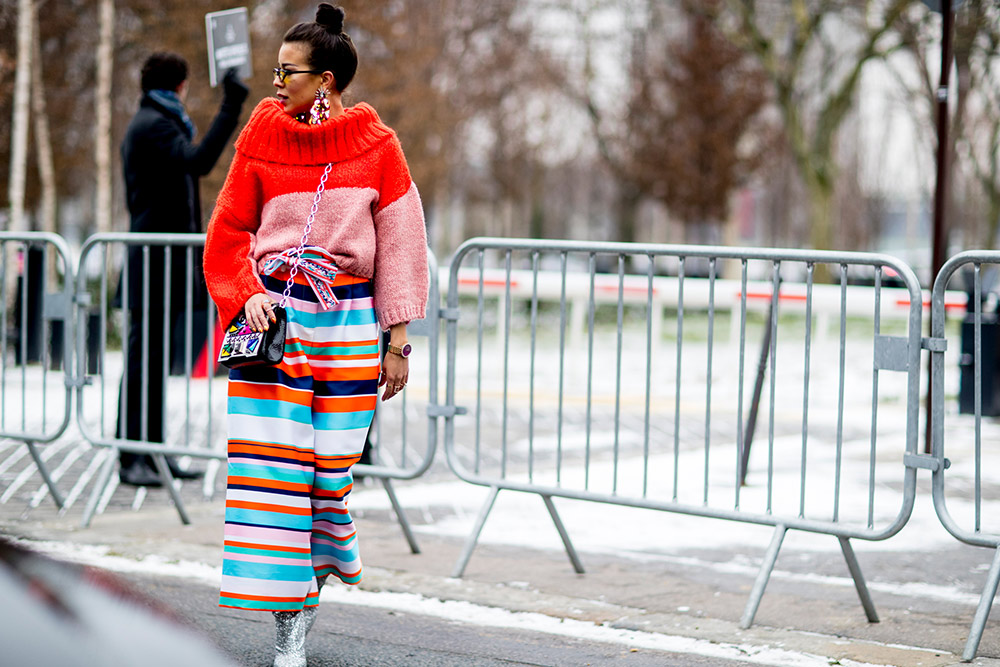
390	391
255	311
393	385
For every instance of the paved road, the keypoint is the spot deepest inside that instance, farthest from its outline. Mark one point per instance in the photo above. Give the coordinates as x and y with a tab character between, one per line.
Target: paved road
925	598
355	635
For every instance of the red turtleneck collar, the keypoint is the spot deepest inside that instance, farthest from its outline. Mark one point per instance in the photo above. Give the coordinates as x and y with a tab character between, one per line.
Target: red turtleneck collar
274	136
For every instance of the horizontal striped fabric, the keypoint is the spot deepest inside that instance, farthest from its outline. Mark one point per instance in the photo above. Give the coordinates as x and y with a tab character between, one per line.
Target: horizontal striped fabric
295	430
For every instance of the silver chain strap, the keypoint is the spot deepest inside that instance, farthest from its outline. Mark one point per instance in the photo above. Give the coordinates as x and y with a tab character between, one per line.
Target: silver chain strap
305	235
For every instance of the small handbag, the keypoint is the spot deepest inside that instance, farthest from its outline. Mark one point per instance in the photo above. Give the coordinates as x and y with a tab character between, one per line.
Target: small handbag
241	345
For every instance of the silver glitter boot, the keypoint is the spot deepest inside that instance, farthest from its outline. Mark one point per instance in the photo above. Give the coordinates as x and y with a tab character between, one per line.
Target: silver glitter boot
290	629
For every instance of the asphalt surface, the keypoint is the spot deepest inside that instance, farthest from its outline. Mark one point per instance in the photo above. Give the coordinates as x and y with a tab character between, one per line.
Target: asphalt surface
810	614
356	635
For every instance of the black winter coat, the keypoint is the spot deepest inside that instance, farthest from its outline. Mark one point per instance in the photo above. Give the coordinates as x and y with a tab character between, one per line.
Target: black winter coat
162	168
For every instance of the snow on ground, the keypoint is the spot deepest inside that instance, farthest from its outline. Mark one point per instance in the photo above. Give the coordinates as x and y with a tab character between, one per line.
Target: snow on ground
461	611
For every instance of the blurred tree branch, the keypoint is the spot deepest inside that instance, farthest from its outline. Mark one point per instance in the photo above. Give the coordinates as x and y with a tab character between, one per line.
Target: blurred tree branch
814	105
975	115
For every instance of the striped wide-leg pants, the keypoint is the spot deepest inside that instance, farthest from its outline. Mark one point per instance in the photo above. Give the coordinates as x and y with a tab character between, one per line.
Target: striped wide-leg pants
295	430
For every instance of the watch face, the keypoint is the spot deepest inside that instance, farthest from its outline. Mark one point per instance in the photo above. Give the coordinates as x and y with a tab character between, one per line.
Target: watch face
406	350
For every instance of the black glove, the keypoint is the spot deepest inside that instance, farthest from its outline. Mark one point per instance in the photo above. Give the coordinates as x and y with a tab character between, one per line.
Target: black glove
233	90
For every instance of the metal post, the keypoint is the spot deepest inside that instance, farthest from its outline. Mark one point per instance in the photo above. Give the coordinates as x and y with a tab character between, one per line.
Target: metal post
404	523
470	543
758	388
983	610
168	483
859	579
940	190
770	557
43	470
570	551
101	482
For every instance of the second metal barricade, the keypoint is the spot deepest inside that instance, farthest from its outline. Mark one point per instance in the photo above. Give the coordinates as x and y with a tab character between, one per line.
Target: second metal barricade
959	505
645	406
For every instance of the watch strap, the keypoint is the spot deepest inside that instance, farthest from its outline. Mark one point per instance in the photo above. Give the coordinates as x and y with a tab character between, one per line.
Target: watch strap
399	349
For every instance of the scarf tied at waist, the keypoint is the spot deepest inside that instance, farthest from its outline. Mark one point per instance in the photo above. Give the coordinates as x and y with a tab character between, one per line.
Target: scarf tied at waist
316	264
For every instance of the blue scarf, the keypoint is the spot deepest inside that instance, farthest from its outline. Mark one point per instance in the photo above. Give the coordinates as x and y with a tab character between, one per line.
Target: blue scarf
169	100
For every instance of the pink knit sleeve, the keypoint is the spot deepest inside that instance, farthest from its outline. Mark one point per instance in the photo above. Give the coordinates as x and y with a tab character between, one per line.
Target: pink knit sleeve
401	278
230	271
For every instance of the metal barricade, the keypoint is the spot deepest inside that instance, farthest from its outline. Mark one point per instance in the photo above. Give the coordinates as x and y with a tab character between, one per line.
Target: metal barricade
395	453
36	282
636	419
177	338
968	456
119	273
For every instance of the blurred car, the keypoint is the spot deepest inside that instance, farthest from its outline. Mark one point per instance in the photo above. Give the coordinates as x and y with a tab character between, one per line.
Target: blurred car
57	614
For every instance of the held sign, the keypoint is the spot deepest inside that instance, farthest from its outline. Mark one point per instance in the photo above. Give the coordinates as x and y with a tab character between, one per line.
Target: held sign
228	43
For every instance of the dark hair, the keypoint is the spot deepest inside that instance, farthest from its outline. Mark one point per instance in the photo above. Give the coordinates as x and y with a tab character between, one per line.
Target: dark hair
331	49
163	71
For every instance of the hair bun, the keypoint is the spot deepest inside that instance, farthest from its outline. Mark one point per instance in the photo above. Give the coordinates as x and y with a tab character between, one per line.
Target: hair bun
330	17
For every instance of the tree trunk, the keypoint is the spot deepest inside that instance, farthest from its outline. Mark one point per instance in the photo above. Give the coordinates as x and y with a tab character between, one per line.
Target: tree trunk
821	199
19	125
820	216
19	142
102	135
993	222
43	139
628	211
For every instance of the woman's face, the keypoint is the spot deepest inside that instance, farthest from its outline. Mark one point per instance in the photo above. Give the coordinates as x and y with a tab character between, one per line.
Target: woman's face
298	91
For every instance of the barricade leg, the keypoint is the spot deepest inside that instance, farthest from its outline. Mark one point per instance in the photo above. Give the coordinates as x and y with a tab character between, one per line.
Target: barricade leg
43	470
168	483
100	483
470	544
983	611
404	523
570	551
770	557
859	579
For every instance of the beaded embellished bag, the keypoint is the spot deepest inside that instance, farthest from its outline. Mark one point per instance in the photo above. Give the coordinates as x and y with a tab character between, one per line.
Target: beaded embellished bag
241	345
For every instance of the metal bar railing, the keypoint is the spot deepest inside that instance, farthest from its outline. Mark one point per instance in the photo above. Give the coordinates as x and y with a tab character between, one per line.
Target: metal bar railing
165	264
597	457
966	461
37	291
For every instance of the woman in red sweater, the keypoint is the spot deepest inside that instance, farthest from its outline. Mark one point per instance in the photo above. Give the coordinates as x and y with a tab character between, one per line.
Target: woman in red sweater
296	429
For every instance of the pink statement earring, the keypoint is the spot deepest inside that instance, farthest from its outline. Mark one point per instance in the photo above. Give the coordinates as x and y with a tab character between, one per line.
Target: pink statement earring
320	110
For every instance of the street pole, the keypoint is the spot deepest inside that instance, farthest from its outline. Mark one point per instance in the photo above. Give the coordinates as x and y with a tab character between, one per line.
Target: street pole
938	248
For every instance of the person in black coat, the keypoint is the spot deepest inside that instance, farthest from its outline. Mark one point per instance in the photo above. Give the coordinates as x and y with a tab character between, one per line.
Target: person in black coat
162	165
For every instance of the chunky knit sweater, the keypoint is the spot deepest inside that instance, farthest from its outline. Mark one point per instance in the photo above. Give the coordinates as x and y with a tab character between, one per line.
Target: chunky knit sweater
370	218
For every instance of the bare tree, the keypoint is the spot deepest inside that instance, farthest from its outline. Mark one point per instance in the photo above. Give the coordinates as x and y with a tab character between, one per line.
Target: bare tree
19	124
43	139
102	129
434	69
974	129
813	54
686	131
19	136
981	145
694	129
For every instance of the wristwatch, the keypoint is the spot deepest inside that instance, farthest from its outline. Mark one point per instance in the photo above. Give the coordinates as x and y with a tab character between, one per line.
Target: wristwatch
403	351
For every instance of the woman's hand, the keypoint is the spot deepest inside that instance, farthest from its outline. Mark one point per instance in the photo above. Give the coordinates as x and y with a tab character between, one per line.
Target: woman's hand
395	369
259	310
